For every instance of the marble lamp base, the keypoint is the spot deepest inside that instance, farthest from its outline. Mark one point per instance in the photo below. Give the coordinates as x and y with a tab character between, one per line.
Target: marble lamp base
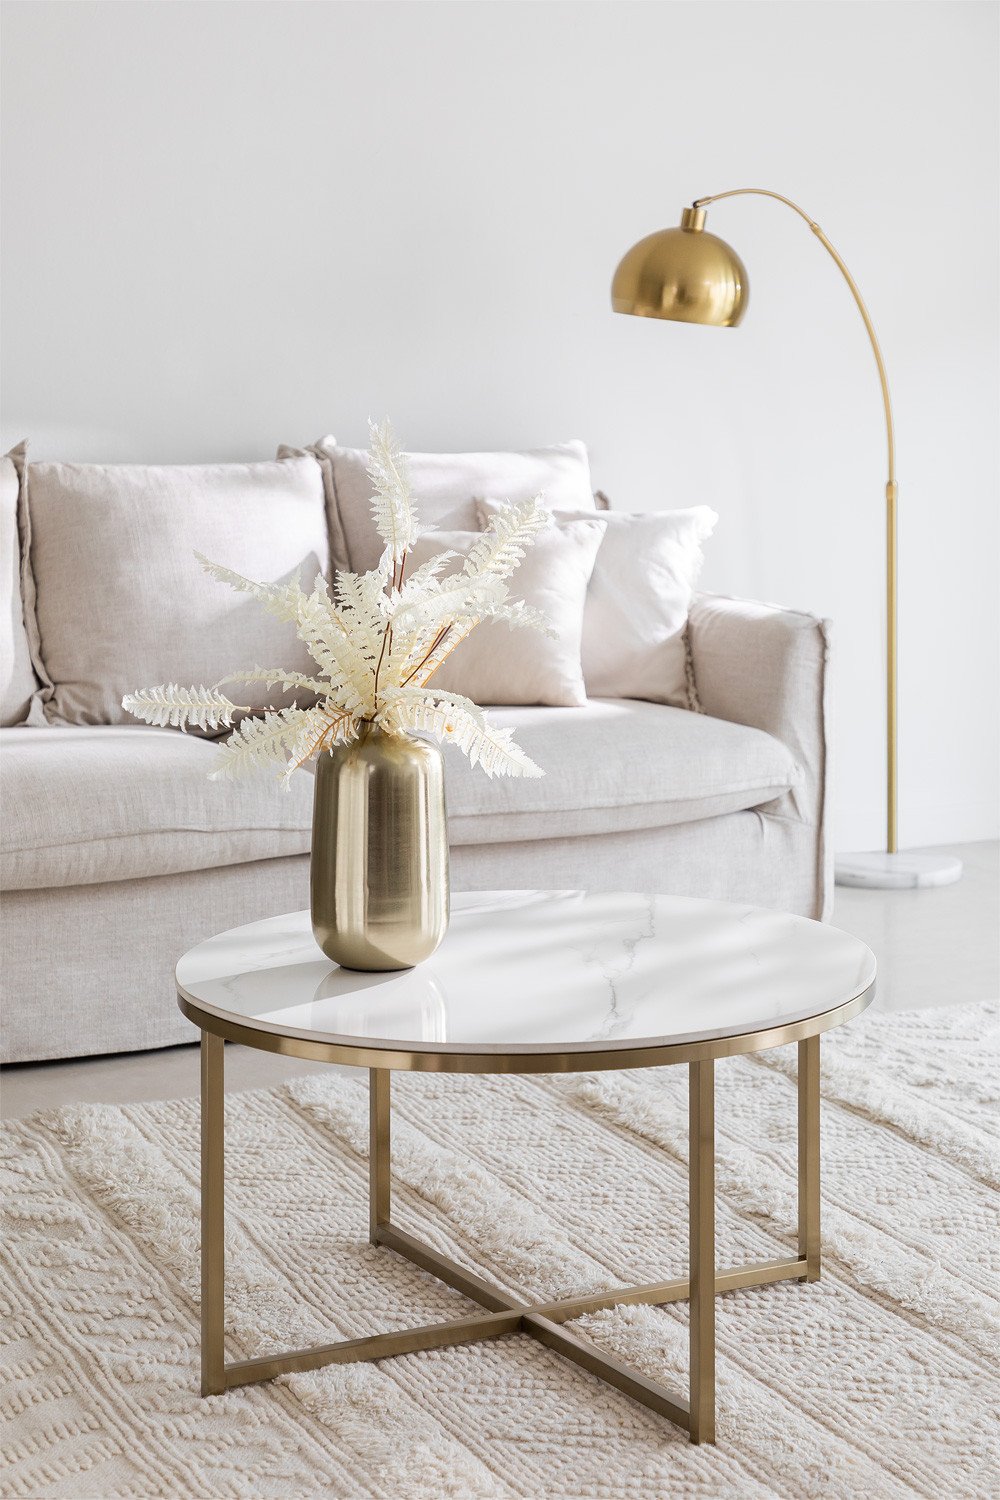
896	871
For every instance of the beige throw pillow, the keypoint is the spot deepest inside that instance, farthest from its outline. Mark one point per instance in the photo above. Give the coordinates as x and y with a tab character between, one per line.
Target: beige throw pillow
121	602
499	665
18	683
633	643
445	489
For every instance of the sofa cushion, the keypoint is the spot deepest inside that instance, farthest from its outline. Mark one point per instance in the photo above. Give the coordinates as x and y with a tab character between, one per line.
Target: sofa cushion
121	601
446	486
85	805
88	805
496	664
616	764
18	683
634	619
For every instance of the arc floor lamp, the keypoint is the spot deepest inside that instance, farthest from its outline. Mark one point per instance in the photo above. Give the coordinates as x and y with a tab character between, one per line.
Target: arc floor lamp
690	276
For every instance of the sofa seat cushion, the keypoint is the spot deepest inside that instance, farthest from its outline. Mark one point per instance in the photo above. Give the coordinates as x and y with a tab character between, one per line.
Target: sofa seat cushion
85	805
88	804
613	765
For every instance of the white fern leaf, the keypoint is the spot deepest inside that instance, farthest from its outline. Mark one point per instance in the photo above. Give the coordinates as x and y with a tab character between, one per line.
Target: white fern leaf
423	579
320	732
520	616
360	591
432	695
261	742
511	531
448	599
363	608
279	599
485	745
181	708
392	504
338	652
278	677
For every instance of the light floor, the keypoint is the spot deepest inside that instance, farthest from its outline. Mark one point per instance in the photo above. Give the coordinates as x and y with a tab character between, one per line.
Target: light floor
934	947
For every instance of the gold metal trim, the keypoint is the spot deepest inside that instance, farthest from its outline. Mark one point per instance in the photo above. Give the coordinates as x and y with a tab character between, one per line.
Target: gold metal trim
505	1313
701	1264
379	1178
809	1194
454	1057
213	1228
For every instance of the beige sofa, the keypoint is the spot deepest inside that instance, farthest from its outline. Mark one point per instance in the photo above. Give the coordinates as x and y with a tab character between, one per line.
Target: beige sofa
118	853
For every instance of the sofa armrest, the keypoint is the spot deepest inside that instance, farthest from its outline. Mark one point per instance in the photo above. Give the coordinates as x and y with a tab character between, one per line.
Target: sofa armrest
767	667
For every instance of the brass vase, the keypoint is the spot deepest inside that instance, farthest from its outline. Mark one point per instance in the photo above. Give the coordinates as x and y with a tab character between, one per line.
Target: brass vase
379	872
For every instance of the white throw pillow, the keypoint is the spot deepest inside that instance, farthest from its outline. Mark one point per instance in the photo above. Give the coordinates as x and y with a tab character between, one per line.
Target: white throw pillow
637	604
120	599
499	665
445	489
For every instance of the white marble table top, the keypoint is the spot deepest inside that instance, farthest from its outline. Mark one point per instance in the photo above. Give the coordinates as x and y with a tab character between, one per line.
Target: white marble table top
550	972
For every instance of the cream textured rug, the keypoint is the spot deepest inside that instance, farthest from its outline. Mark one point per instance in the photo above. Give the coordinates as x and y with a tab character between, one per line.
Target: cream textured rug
876	1381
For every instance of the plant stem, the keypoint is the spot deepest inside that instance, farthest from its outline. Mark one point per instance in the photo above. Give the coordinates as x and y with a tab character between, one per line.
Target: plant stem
435	643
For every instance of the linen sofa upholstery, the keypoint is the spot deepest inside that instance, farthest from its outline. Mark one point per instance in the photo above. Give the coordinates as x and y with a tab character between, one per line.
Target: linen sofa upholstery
767	667
616	765
148	807
123	802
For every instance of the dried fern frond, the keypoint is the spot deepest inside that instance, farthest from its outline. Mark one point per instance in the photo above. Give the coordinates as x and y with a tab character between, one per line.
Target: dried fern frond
485	745
336	729
448	599
362	592
260	742
363	607
519	616
511	531
278	677
423	579
425	695
342	656
392	504
178	708
279	599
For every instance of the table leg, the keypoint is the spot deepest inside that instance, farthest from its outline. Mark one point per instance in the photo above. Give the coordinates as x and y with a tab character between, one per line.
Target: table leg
213	1245
809	1233
379	1169
701	1146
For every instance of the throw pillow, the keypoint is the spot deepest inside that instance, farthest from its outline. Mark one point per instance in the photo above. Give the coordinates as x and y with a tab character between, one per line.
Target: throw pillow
121	601
445	489
635	619
321	451
499	665
18	684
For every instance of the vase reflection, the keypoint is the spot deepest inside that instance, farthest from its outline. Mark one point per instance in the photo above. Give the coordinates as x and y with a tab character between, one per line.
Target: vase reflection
408	1005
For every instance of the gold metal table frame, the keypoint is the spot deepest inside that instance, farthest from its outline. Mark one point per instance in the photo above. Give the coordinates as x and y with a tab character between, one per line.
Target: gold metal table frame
505	1313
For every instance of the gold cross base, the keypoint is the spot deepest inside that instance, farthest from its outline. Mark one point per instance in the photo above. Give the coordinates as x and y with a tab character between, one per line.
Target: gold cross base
506	1314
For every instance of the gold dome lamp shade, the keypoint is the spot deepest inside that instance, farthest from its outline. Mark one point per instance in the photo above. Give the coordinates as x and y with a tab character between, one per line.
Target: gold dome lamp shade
687	275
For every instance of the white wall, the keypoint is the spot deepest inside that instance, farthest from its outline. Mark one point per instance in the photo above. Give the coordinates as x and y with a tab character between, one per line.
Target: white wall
234	224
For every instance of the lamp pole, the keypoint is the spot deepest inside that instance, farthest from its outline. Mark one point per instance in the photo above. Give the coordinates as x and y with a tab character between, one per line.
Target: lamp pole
891	498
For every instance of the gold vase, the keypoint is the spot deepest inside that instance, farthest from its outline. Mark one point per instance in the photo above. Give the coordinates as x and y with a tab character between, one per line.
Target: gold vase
379	873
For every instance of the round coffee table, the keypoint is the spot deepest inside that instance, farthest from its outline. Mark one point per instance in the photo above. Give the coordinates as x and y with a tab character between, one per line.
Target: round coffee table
533	982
